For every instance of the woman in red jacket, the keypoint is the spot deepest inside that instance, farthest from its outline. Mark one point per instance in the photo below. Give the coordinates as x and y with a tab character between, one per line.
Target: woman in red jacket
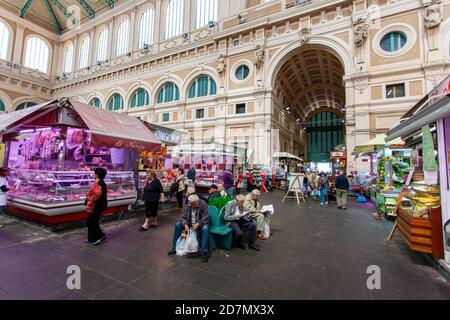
96	203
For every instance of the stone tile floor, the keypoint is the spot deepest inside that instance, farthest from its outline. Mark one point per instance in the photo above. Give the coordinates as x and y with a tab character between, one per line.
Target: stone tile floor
315	253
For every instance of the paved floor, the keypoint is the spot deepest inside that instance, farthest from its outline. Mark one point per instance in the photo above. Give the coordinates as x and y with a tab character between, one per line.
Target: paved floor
315	253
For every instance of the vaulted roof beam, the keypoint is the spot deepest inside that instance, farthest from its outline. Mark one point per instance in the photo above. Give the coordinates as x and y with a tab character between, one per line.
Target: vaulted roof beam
110	3
25	8
53	17
87	8
66	13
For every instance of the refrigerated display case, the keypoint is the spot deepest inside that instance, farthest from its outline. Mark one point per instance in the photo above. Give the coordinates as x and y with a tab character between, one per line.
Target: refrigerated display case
55	196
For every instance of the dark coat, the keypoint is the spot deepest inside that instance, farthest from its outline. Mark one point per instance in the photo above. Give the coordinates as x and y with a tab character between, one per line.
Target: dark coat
153	190
342	183
202	216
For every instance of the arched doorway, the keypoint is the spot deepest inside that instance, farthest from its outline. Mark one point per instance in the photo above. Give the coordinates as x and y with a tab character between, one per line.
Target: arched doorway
309	84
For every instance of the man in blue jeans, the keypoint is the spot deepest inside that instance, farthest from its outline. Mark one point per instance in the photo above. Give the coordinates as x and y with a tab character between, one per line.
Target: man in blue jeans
195	215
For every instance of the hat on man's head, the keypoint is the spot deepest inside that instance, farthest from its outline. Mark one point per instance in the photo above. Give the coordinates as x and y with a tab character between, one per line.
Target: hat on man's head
214	186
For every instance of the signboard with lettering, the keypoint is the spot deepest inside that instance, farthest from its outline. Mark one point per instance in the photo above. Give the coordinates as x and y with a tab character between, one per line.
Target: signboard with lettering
337	154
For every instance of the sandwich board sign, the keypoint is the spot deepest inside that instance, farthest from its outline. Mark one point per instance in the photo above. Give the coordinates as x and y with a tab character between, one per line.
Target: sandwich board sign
296	186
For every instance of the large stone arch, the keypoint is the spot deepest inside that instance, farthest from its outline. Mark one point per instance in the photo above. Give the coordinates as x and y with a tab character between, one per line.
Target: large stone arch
331	44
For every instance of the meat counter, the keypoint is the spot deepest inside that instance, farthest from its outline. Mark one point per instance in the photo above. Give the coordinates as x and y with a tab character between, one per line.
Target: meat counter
59	196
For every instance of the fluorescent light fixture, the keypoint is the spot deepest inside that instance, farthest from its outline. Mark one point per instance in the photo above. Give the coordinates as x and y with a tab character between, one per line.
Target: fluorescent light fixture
27	131
43	129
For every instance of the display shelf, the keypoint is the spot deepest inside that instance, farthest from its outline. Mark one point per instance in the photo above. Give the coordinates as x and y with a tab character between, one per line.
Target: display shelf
419	220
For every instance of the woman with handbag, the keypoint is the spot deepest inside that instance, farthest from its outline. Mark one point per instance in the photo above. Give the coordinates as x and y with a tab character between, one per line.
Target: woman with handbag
153	193
96	203
181	187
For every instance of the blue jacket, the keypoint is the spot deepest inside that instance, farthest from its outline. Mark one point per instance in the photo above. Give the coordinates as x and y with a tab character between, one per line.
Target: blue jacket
342	183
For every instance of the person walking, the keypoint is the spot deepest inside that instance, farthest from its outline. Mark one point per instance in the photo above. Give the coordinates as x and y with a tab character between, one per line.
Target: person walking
153	193
4	188
342	186
96	203
181	188
191	174
324	186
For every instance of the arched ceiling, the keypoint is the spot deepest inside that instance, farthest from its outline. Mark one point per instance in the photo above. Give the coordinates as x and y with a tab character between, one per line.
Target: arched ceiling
309	80
58	15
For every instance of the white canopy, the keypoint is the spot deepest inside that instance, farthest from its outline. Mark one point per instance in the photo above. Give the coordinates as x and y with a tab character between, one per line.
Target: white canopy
286	155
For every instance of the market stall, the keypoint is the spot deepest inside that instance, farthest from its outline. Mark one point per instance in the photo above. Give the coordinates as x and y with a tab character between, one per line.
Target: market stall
424	206
52	149
285	163
210	160
160	162
389	165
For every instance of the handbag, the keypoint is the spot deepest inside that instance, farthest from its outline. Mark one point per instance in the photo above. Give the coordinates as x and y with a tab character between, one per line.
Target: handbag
175	186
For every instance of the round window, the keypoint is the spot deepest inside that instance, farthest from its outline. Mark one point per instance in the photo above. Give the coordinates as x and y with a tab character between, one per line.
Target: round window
242	72
393	41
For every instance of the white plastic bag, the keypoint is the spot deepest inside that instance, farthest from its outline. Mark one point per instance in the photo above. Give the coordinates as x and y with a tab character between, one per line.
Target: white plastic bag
180	247
266	231
191	242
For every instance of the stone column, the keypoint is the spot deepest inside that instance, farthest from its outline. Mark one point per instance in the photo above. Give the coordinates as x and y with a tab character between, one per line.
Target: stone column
75	54
111	38
131	42
92	48
158	21
53	66
18	45
187	16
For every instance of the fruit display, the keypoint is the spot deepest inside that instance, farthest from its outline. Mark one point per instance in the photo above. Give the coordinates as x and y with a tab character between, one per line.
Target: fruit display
419	199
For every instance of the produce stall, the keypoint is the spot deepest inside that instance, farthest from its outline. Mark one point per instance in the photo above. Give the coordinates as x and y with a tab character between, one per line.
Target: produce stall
424	208
389	163
52	149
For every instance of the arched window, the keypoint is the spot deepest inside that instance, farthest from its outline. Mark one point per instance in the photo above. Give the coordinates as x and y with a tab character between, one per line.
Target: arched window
146	28
168	93
123	33
37	54
202	86
139	98
102	41
68	58
5	35
96	103
174	18
115	102
84	53
2	105
206	12
25	105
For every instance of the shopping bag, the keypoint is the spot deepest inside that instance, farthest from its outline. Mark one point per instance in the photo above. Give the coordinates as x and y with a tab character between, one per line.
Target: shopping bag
180	247
266	231
191	242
